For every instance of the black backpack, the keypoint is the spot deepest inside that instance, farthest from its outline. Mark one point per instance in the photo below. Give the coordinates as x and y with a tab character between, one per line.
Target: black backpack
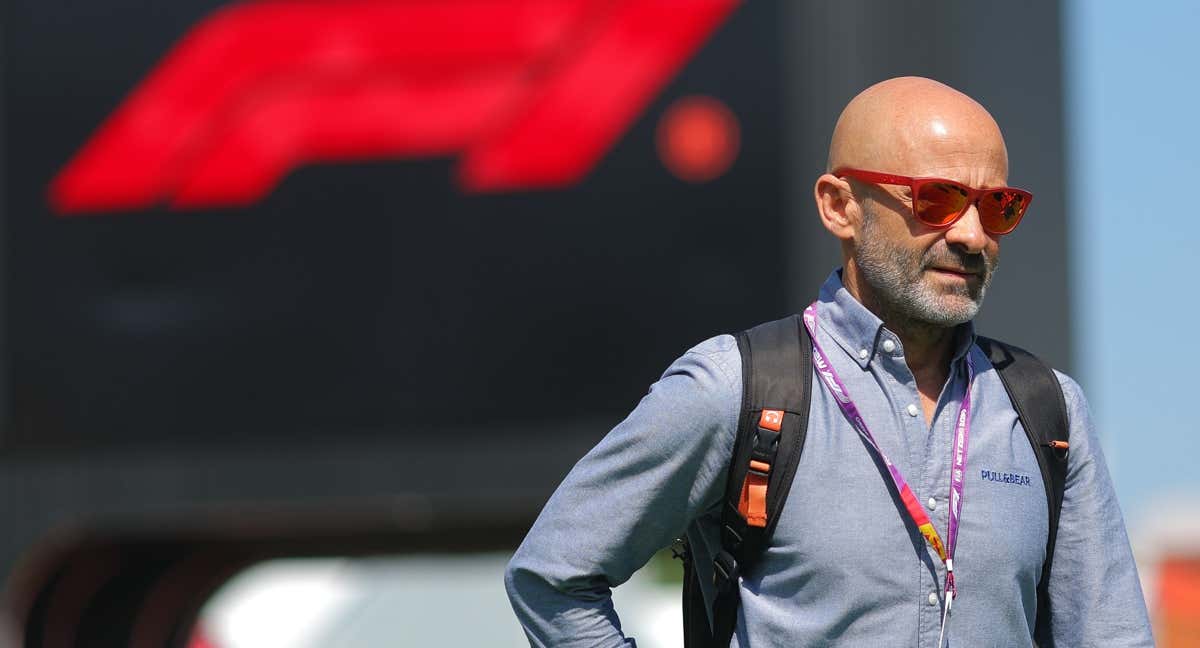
777	375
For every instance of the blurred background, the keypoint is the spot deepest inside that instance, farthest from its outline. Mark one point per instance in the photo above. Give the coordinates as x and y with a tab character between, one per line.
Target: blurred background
309	304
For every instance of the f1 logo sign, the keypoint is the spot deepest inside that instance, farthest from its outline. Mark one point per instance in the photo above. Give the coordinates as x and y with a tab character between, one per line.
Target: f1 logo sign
529	93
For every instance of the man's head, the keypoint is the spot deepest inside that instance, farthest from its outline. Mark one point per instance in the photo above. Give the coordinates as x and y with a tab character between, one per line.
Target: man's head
894	263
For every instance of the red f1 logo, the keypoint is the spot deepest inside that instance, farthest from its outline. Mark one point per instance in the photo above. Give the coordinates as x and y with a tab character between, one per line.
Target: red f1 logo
529	93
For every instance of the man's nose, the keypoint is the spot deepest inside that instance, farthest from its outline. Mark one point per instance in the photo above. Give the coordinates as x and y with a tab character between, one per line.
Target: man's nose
967	232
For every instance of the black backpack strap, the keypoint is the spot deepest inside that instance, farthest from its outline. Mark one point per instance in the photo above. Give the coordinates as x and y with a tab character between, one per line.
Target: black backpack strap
1038	399
696	630
776	378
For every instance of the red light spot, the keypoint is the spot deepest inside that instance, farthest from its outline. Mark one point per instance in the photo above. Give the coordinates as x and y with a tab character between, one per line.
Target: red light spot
698	138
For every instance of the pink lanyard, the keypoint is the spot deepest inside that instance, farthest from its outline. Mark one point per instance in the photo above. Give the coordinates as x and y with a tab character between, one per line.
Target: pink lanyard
958	458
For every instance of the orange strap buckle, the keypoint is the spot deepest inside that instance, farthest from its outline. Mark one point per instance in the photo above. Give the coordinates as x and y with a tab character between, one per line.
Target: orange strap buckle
752	503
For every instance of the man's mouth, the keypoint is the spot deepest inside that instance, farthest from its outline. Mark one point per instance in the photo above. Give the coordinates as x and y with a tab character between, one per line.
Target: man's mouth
957	272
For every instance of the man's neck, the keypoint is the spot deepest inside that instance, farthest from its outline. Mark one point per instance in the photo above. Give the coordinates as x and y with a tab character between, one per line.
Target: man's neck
927	348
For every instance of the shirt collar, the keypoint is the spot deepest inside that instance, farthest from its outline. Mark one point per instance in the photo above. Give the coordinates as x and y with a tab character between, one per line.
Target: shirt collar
861	333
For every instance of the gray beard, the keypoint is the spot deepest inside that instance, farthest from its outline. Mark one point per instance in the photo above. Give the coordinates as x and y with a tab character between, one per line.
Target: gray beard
897	279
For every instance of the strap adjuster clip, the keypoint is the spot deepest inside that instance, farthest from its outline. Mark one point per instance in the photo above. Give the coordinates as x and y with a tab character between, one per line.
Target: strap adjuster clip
725	569
760	468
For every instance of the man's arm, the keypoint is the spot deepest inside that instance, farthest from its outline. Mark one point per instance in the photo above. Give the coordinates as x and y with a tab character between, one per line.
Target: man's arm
1095	596
633	494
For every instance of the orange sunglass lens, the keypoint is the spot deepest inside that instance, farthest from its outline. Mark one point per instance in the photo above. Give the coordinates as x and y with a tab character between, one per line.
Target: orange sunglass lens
939	203
1001	210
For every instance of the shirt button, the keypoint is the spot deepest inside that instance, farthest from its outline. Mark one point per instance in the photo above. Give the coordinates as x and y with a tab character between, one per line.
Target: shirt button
912	410
863	353
889	346
932	503
933	598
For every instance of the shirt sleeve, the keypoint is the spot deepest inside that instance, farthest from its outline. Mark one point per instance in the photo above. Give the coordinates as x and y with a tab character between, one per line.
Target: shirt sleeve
1095	595
630	496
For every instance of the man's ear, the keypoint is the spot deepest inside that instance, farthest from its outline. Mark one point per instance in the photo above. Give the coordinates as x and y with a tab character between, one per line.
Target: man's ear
836	205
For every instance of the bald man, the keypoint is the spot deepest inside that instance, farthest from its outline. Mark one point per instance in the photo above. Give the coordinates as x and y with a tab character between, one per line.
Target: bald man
846	565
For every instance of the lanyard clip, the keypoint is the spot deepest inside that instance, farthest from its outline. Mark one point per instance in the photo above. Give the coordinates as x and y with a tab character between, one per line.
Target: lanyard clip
951	588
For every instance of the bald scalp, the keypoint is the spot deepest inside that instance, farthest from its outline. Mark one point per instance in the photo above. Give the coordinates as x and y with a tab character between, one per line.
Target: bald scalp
912	125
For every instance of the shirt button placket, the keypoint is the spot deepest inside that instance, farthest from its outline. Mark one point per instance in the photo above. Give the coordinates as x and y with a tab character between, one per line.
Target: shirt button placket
930	617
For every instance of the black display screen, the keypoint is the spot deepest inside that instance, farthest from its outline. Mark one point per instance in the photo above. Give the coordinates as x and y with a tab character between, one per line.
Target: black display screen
365	296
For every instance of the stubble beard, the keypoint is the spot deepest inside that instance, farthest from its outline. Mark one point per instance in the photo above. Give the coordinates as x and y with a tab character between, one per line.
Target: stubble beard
905	291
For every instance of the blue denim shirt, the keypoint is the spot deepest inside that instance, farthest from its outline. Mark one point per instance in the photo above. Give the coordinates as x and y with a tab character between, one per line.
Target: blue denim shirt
843	568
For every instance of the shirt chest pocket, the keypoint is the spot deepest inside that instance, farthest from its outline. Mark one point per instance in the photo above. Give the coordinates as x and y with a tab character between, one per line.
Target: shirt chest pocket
1005	515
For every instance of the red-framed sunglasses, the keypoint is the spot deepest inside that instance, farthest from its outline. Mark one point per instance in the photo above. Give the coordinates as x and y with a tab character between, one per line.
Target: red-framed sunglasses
939	203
